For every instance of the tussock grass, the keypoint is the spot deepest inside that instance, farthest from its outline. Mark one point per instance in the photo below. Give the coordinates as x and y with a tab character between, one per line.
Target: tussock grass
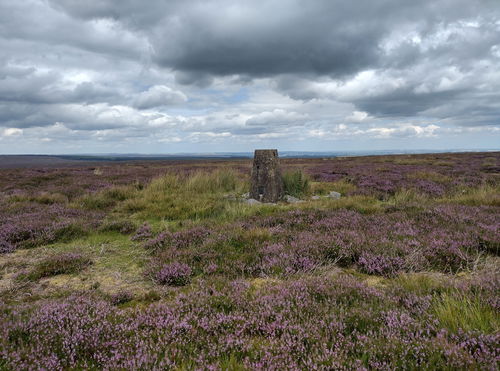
217	181
487	195
296	183
106	198
456	311
123	226
342	186
420	283
202	195
63	263
405	197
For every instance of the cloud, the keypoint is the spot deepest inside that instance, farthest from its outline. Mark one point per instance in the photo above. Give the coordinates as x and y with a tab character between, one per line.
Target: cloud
277	117
357	116
157	96
404	131
10	132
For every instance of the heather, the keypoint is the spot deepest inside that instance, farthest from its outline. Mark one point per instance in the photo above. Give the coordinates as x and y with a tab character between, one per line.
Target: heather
162	265
300	323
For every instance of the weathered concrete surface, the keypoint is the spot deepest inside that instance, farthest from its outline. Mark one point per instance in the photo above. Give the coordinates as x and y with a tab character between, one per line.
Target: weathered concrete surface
266	184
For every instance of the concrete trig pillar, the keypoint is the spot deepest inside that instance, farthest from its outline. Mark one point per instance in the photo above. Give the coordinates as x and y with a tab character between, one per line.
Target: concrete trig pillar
266	184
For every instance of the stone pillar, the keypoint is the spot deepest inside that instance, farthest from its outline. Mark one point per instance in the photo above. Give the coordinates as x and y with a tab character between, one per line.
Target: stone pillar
266	184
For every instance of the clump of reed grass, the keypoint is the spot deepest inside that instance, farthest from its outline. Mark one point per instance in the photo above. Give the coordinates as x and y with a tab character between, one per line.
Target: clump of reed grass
296	183
460	312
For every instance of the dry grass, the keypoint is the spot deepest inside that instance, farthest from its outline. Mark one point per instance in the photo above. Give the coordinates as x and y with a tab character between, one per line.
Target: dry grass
483	195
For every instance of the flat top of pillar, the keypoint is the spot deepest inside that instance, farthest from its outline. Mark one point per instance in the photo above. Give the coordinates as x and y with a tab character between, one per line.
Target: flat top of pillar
268	152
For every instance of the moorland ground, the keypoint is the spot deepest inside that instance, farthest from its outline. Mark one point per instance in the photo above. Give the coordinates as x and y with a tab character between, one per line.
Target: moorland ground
161	265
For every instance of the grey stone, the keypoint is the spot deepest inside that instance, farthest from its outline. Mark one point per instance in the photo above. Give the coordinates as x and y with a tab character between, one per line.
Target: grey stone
316	198
334	194
266	183
292	200
252	201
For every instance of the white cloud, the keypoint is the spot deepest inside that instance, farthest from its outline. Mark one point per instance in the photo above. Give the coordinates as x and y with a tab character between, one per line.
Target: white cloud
12	132
357	116
157	96
404	131
275	118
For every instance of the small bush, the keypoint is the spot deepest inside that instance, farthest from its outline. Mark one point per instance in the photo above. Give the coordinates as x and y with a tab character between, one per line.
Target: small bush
295	183
379	264
6	246
144	232
174	274
121	297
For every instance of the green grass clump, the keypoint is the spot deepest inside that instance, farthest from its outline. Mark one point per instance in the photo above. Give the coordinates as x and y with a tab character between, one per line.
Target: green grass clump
202	195
296	183
107	198
456	311
217	181
119	225
409	197
420	283
343	186
63	263
486	195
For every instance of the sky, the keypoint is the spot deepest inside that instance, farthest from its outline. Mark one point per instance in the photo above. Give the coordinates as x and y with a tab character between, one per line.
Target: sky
128	76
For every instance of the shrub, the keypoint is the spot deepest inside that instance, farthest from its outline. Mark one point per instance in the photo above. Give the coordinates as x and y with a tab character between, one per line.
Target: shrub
295	183
121	297
6	246
173	274
144	232
380	264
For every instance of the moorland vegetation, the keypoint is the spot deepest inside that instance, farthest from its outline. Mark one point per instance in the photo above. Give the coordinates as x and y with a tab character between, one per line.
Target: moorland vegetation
161	265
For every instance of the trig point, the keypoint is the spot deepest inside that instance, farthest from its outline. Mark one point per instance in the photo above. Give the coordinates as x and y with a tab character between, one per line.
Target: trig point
266	185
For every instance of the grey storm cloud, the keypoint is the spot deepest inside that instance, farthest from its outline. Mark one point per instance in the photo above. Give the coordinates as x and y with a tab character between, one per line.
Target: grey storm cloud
115	64
262	38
